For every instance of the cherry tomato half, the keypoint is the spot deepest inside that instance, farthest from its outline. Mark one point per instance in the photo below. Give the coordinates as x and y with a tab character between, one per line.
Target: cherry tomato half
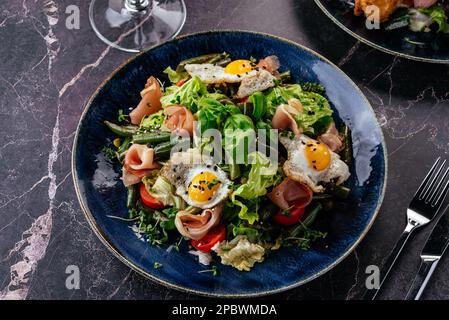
181	82
215	235
289	217
148	200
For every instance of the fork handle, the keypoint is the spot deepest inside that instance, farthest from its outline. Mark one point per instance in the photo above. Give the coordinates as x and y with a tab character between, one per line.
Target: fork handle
391	260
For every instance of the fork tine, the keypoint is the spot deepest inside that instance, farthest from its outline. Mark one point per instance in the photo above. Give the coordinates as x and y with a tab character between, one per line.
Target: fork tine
441	196
433	184
434	194
426	180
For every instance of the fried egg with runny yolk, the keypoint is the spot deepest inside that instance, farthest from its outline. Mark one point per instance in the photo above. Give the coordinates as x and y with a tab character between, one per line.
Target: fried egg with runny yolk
234	72
239	67
203	186
311	162
197	180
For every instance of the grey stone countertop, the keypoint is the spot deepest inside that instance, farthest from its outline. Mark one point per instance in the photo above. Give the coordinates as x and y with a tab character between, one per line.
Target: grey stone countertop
47	74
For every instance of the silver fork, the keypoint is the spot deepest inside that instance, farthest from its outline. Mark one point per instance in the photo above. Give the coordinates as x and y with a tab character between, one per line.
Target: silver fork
423	208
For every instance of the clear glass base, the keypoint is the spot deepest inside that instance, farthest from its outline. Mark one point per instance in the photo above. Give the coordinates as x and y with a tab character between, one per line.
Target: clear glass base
136	30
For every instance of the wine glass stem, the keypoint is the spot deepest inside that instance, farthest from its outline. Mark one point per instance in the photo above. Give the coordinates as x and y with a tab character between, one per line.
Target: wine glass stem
137	5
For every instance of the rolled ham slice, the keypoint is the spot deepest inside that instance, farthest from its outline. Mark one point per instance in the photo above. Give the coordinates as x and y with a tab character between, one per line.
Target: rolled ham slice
332	139
290	193
196	226
179	118
270	63
139	162
284	116
150	103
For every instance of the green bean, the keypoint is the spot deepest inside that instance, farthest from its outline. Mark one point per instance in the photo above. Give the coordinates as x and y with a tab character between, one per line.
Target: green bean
223	62
285	76
121	156
162	151
152	137
322	196
234	171
132	196
121	131
342	192
207	58
124	146
308	220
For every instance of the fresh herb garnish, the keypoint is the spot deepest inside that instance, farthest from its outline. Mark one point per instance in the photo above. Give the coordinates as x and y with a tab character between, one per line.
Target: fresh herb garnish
214	270
121	116
109	152
213	183
157	265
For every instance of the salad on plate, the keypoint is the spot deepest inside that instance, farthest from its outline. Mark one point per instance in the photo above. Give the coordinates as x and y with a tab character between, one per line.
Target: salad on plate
417	15
231	156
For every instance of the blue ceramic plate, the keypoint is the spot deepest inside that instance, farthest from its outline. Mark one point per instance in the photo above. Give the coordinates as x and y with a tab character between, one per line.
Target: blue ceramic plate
101	192
433	47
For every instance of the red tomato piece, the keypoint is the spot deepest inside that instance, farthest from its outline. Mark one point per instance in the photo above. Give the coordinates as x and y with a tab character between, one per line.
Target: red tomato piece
289	217
215	235
148	200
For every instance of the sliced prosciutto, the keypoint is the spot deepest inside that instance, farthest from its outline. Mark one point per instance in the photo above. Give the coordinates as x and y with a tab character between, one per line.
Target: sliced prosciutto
291	193
139	162
332	139
270	63
150	102
179	118
196	226
284	116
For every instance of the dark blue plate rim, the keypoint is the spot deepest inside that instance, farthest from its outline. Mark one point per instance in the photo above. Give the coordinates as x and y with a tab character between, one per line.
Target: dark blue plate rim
106	241
374	45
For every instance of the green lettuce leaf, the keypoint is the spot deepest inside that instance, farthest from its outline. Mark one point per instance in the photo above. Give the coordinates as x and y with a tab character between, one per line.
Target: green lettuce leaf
260	178
175	76
212	114
163	191
279	95
238	128
153	121
248	209
188	95
316	111
437	15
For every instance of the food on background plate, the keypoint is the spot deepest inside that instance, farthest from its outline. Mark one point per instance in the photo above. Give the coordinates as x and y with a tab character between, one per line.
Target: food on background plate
235	212
417	15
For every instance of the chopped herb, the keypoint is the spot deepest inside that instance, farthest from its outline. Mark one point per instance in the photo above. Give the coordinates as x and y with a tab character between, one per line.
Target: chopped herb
157	265
213	183
214	270
108	152
121	116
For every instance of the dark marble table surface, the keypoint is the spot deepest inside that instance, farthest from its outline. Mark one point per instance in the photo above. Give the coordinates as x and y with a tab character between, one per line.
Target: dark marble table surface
47	74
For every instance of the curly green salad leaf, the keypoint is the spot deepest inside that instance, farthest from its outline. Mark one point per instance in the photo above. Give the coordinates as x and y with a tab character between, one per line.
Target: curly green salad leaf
174	76
437	15
153	121
279	95
317	114
259	105
188	95
238	132
212	113
260	178
163	191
